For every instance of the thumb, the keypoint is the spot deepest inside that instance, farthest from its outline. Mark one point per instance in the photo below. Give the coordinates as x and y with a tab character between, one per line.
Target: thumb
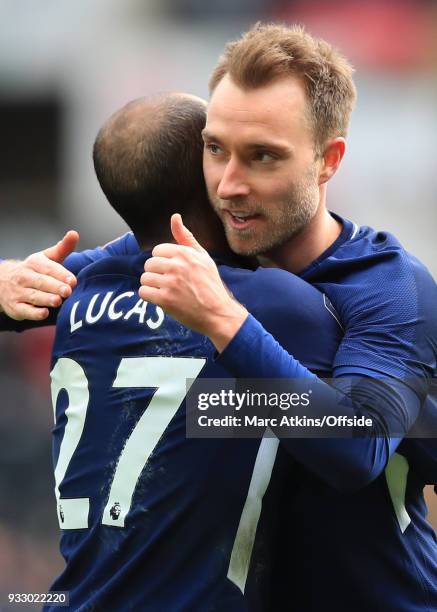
63	248
182	234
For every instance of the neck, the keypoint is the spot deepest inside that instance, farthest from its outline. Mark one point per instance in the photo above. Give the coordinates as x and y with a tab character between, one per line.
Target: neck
205	226
209	232
300	250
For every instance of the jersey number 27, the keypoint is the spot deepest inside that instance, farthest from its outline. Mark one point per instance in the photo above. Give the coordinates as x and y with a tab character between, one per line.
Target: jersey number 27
171	376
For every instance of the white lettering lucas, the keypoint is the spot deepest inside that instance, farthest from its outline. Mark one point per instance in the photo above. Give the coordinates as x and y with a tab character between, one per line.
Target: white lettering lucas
115	311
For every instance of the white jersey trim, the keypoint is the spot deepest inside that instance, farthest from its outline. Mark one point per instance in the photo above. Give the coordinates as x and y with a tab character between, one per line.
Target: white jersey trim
245	538
354	231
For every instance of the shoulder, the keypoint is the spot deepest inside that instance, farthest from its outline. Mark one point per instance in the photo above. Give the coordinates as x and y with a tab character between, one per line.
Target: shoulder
275	296
114	265
296	314
372	272
386	300
123	245
257	285
382	277
378	254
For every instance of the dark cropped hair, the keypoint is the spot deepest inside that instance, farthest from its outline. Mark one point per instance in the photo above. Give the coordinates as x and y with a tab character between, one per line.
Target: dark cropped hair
148	160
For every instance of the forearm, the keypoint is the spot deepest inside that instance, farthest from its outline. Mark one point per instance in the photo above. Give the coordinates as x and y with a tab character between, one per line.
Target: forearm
362	452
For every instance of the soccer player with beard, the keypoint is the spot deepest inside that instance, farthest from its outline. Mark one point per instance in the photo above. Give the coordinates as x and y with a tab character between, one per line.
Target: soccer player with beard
275	134
278	116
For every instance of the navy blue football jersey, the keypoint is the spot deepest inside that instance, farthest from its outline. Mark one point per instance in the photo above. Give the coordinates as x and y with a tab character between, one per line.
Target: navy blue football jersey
152	520
362	547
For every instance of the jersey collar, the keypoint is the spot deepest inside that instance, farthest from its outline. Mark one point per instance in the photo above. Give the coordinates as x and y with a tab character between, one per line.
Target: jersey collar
348	232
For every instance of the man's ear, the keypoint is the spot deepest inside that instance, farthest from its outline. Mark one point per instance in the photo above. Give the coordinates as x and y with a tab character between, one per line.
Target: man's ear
331	159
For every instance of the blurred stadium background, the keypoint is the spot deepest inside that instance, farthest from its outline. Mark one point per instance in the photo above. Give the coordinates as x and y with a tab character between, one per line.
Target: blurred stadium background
65	66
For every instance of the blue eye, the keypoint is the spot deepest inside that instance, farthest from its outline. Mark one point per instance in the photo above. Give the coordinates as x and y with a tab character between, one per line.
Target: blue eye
264	157
213	149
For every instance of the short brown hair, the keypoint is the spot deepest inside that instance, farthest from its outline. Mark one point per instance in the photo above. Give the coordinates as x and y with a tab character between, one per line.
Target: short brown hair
270	51
148	161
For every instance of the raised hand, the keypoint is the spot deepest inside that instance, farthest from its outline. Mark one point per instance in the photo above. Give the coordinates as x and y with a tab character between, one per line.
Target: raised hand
184	280
28	288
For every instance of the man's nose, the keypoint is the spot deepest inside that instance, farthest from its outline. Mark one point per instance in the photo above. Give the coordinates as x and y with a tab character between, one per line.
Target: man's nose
234	181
